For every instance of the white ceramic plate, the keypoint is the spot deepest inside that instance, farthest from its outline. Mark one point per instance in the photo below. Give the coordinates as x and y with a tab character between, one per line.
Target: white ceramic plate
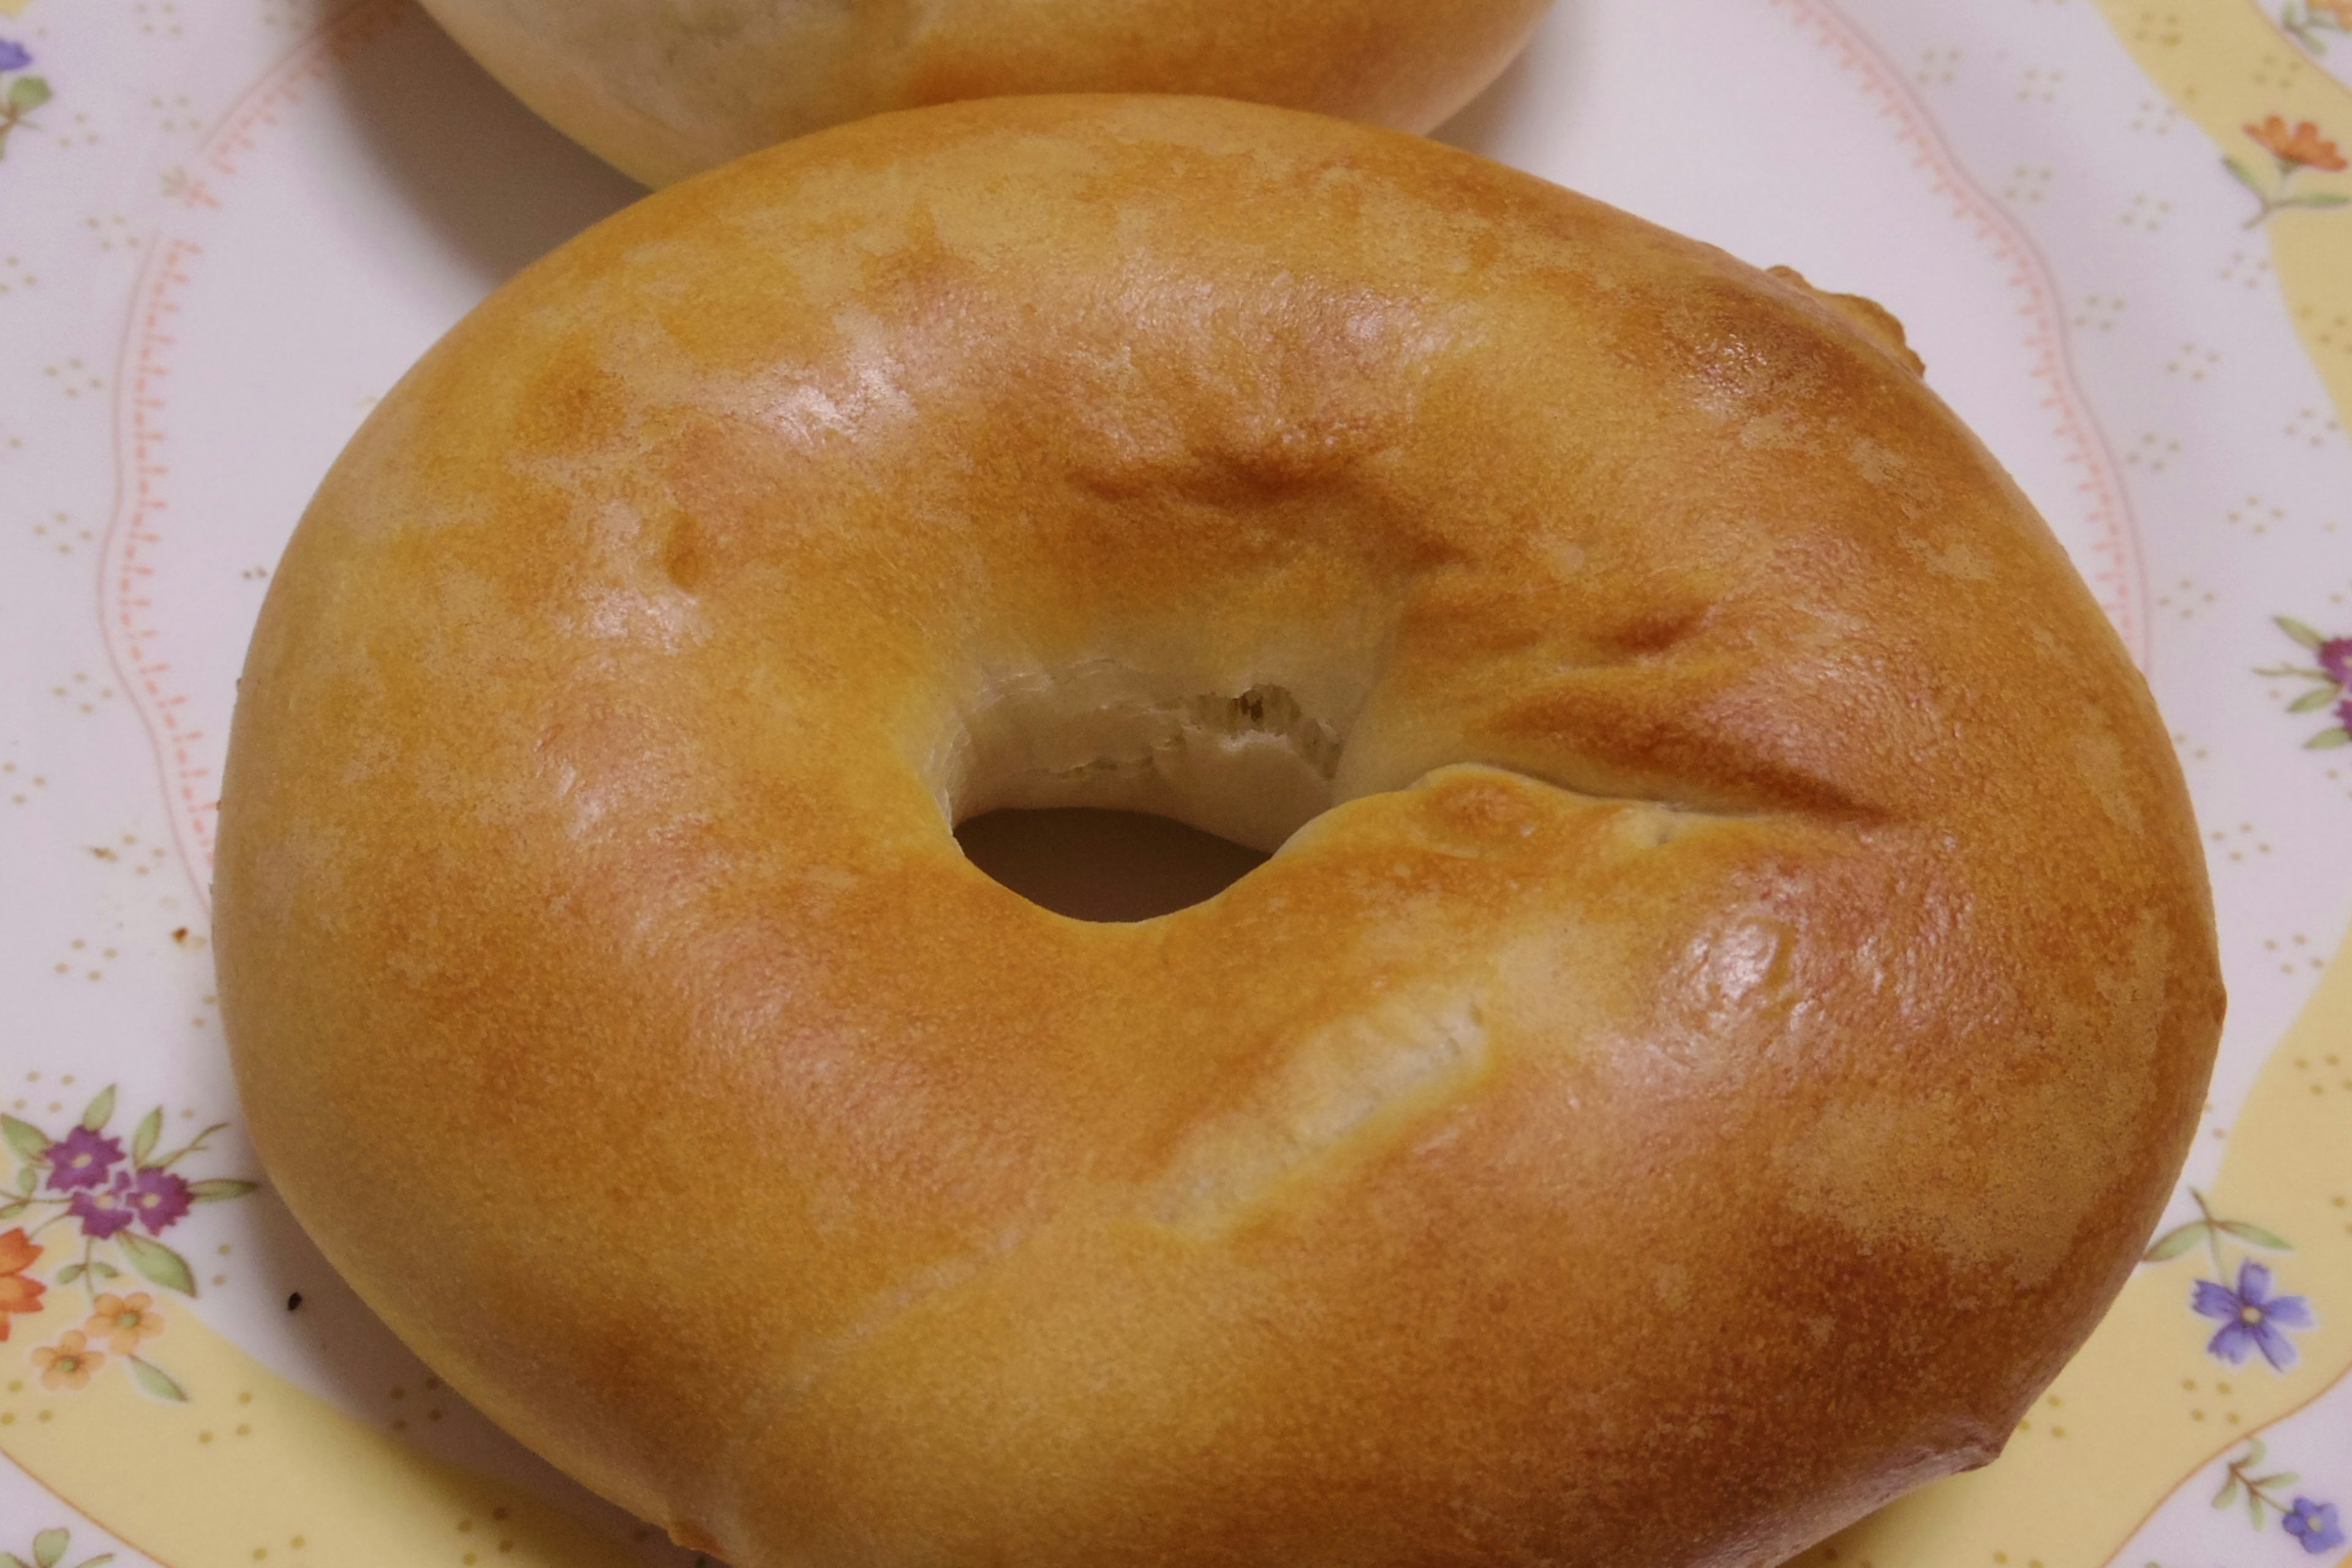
225	229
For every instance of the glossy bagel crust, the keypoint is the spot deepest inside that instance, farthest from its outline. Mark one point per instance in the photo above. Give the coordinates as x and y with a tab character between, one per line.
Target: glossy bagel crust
664	89
1715	1058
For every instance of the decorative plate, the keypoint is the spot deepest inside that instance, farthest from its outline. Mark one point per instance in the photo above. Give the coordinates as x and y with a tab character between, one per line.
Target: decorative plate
2120	232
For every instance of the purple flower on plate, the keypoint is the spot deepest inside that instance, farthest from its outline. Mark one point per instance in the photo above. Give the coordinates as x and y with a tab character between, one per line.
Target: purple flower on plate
103	1214
2315	1525
14	57
82	1159
2336	659
2251	1317
159	1198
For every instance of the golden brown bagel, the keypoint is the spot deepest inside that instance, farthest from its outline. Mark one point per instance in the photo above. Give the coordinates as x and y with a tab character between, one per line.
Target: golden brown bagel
664	89
1734	987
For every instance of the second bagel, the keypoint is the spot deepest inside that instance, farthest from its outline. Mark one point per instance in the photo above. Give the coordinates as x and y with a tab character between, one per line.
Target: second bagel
663	88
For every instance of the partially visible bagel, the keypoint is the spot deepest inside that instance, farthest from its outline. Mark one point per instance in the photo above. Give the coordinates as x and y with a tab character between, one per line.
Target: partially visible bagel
664	89
1734	984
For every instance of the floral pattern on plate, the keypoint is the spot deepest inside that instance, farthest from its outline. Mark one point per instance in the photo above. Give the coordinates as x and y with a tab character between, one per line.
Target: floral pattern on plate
48	1550
2330	672
21	91
2292	149
117	1201
2314	22
2253	1316
2314	1525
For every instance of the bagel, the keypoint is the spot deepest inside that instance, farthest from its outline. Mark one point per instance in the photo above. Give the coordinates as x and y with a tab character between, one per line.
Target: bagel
664	89
1732	987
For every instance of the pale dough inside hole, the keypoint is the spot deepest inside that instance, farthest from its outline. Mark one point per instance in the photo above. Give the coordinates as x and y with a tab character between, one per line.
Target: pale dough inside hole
1252	764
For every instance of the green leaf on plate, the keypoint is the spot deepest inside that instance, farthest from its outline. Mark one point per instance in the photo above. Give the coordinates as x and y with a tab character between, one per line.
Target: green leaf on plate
2257	1234
177	1155
218	1191
2298	630
2254	1507
2284	1479
142	1142
2320	199
155	1381
27	1179
158	1262
2313	700
2229	1492
49	1546
69	1273
94	1116
2238	172
94	1562
2173	1243
29	1141
105	1270
10	1560
25	94
2328	739
11	1210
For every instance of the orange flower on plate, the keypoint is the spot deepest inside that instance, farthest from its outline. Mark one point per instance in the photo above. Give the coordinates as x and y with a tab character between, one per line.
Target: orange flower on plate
70	1363
122	1322
2301	148
17	1294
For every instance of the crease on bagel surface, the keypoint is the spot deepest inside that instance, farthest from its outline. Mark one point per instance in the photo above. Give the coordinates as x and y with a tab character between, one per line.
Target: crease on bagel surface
1736	924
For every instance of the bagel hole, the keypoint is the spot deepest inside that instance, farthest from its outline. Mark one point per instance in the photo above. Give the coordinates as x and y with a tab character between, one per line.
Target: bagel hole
1092	864
1102	793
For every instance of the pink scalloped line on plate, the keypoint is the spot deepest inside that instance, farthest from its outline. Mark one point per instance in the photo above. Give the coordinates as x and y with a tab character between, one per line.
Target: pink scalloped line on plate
2119	578
143	505
306	67
188	784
